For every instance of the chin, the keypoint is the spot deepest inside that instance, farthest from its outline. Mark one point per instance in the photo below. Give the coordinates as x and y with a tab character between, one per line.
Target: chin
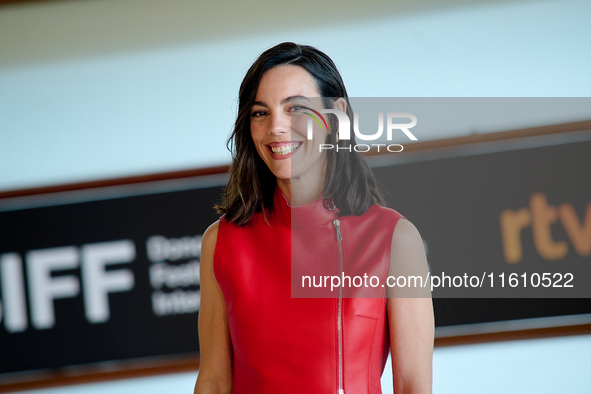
282	173
283	176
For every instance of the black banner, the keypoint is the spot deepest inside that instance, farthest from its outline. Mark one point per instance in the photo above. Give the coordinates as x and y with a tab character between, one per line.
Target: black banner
502	208
112	274
102	280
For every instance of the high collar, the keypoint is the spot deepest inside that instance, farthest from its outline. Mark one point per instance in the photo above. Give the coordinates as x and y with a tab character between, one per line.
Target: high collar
313	214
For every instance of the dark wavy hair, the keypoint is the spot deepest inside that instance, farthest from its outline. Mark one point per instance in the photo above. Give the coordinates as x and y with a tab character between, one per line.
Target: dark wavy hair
350	184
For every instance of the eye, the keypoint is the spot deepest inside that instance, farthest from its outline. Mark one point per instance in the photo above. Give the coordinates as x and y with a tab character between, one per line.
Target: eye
258	114
297	108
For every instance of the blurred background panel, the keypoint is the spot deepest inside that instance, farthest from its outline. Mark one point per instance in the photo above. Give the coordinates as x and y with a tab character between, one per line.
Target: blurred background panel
104	88
93	90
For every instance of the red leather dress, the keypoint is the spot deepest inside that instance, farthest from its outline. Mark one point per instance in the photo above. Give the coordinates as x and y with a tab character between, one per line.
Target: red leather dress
304	345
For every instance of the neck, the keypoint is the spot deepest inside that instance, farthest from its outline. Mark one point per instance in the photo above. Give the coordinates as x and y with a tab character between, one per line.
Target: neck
300	193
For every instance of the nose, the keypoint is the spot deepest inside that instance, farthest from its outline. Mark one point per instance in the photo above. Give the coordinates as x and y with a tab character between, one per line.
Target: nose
280	124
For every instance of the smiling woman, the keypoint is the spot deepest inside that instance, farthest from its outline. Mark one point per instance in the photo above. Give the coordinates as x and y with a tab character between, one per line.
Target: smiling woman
283	94
291	208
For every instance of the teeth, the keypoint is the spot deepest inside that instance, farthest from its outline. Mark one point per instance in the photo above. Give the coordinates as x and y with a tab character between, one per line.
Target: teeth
284	149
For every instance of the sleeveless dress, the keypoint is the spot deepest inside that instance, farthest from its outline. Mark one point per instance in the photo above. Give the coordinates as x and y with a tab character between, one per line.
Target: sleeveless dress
335	342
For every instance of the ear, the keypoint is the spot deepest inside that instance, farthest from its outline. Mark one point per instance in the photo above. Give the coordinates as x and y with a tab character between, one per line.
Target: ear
340	104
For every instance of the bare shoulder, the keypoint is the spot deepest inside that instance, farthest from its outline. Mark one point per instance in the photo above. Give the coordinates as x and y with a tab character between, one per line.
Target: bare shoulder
408	259
208	243
210	236
405	233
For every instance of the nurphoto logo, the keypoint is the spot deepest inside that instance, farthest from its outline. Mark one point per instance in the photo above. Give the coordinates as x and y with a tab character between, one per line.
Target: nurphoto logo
344	129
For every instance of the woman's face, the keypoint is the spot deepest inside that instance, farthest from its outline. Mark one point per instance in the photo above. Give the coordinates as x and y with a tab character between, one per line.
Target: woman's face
278	124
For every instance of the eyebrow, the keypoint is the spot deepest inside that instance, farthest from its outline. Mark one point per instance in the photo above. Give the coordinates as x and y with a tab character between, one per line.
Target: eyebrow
285	100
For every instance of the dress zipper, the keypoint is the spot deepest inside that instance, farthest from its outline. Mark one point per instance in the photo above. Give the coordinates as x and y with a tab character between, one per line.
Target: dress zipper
337	226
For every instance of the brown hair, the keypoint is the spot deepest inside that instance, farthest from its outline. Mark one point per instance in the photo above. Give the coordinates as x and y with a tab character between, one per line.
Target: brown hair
349	184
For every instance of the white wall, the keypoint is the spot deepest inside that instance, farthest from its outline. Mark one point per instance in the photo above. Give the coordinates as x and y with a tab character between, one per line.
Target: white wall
173	108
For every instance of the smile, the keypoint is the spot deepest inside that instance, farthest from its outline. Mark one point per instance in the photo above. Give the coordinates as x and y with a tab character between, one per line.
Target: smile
284	148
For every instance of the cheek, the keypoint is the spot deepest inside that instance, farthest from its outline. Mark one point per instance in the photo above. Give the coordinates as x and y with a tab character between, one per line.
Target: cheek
300	123
256	132
320	137
257	139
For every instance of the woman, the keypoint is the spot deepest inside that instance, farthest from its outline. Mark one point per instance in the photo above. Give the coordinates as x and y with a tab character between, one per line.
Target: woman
289	208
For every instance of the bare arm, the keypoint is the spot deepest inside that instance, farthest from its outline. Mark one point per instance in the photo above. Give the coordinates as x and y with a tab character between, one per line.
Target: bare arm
215	369
410	315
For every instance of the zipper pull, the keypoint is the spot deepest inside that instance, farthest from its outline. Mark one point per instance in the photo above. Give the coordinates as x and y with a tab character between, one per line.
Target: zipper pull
337	226
341	391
